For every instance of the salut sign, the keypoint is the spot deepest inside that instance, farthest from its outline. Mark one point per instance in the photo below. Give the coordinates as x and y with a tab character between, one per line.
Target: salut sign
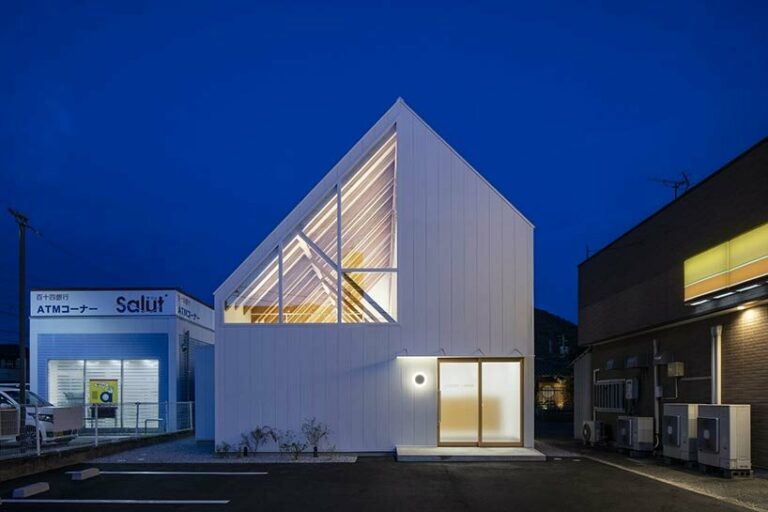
142	304
86	303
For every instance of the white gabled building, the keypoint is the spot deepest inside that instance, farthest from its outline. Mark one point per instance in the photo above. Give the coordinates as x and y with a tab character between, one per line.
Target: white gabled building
394	303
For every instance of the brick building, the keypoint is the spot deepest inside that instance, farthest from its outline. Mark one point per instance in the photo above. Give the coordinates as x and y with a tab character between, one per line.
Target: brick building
688	284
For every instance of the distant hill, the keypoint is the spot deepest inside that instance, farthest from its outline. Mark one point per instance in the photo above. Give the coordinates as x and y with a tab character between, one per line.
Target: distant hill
556	343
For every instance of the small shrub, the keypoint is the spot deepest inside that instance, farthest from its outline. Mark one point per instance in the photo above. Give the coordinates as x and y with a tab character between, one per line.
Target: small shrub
290	444
224	448
315	431
245	444
260	435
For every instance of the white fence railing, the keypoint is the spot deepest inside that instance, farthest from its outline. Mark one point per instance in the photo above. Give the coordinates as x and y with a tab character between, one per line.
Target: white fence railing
49	429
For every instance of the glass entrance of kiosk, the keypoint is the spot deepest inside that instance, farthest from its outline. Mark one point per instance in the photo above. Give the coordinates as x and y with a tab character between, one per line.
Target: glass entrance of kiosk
480	402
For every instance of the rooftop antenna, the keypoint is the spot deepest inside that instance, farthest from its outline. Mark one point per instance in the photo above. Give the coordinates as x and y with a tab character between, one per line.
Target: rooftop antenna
683	182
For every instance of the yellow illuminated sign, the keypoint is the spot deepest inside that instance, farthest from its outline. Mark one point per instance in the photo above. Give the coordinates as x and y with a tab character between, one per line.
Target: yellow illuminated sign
103	391
731	263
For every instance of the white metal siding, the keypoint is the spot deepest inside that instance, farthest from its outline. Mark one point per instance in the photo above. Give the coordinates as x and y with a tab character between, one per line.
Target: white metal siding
582	393
464	288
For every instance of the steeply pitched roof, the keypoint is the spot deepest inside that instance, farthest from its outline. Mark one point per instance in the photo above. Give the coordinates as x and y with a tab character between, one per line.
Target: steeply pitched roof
353	157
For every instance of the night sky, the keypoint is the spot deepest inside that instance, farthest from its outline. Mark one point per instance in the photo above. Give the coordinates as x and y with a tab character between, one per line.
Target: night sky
156	145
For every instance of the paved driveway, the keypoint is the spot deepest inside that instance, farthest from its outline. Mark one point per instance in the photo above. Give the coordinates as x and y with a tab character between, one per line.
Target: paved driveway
371	484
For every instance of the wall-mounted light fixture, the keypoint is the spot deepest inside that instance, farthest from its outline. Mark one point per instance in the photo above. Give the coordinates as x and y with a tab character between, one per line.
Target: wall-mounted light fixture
419	379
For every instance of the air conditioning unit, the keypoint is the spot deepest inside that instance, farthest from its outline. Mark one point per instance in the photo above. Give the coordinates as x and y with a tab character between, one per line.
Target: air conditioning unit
724	436
678	431
592	432
635	433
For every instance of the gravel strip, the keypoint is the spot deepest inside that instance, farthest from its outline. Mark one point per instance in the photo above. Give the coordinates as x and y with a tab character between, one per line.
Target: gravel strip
187	450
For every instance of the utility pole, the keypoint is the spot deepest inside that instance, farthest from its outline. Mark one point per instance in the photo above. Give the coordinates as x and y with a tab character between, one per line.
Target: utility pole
23	223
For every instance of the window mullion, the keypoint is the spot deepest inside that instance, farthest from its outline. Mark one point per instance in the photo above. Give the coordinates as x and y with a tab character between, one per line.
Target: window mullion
338	251
280	282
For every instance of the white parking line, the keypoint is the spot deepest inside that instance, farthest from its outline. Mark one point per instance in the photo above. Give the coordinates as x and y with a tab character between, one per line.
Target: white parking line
118	502
202	473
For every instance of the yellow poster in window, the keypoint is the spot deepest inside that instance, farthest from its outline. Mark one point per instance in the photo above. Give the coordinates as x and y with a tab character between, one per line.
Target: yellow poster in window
103	391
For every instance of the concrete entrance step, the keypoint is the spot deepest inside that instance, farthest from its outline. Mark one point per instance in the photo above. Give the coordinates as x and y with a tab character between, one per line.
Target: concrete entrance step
467	454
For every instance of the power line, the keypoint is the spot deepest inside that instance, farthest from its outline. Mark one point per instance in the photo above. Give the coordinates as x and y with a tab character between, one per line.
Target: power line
73	255
91	264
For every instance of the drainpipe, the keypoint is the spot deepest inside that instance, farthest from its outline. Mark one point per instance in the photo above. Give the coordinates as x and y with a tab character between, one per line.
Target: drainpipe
716	333
656	384
592	401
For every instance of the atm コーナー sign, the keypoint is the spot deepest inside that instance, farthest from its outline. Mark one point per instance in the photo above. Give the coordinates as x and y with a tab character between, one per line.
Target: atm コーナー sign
89	303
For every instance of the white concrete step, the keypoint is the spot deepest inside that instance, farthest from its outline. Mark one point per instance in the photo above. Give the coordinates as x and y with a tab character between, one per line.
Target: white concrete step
467	454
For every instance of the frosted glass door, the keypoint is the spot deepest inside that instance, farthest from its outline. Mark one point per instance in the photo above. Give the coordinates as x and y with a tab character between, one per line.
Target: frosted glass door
459	402
501	407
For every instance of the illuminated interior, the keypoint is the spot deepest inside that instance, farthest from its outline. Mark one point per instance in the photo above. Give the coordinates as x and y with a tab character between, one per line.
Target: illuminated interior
309	285
480	402
459	402
307	280
137	380
554	394
730	264
257	299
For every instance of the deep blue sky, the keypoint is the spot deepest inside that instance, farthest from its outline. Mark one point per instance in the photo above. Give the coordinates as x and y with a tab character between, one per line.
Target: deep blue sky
158	144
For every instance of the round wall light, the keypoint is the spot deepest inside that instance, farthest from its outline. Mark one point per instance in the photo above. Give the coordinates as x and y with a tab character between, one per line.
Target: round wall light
419	379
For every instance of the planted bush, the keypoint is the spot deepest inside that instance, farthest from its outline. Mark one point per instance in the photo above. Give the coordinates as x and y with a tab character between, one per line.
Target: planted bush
315	432
224	448
260	435
290	444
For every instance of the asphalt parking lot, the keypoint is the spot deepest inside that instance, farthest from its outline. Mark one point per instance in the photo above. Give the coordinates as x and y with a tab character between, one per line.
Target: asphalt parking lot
371	484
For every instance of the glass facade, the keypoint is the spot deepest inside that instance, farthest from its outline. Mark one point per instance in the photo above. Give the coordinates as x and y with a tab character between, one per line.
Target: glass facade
115	384
459	402
340	265
480	402
501	402
309	284
369	297
257	299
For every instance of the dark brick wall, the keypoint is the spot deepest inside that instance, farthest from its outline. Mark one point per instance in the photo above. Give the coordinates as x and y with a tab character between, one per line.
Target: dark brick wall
637	281
744	368
745	372
690	344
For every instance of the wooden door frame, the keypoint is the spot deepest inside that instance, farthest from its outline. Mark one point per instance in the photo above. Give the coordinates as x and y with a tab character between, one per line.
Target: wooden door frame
479	361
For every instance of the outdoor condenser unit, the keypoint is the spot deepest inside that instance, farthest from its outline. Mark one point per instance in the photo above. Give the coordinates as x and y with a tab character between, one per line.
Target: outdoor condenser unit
678	432
724	436
635	433
592	432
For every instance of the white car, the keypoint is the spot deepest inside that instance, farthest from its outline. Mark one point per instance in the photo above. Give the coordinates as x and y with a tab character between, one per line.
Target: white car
55	424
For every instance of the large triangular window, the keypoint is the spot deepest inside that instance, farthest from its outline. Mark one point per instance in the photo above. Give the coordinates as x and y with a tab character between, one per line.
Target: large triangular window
340	264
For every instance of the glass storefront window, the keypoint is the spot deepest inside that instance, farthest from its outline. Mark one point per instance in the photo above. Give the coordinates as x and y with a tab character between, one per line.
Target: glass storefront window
115	384
66	382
